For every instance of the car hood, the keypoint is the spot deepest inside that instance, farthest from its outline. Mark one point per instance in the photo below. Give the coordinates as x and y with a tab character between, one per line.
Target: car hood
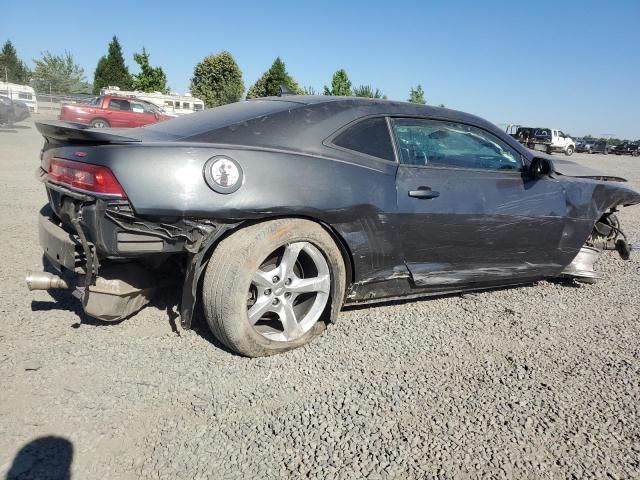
572	169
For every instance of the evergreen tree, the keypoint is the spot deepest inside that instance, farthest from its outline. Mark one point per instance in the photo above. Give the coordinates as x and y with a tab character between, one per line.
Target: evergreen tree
11	67
111	70
417	95
268	85
150	79
340	84
217	80
368	92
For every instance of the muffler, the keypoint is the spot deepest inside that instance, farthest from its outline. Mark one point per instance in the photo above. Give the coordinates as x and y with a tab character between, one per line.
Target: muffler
45	281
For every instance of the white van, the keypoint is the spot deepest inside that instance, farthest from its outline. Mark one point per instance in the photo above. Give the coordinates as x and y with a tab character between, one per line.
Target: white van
23	93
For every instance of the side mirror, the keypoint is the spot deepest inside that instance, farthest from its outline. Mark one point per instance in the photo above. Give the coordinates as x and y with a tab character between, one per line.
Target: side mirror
157	115
540	167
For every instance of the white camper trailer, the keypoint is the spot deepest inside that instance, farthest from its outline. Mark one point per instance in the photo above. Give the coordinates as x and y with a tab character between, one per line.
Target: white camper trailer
23	93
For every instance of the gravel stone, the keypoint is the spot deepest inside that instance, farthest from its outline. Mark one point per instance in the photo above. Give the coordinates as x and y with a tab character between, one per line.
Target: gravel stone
540	381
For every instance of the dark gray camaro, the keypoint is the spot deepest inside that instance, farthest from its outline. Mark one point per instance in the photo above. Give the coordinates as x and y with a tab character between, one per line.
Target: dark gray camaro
274	213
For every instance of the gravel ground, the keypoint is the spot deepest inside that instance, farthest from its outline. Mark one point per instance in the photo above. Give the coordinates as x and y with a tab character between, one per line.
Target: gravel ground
541	381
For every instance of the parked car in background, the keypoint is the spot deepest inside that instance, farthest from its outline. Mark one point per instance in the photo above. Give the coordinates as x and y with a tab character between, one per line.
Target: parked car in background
12	111
275	212
585	145
547	140
627	148
171	103
601	146
113	111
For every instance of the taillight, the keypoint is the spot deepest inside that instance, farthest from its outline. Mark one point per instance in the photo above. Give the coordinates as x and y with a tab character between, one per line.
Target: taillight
84	176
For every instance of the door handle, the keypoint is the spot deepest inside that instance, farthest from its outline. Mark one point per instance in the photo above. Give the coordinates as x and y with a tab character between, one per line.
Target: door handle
424	192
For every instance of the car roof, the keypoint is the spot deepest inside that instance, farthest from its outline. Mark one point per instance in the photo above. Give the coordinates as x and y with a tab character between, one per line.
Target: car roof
295	122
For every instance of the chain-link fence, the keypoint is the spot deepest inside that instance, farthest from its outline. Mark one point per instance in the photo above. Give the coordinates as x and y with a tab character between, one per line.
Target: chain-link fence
47	102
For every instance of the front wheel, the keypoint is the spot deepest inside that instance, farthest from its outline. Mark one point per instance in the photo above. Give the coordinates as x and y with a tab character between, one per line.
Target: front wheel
269	288
569	151
99	123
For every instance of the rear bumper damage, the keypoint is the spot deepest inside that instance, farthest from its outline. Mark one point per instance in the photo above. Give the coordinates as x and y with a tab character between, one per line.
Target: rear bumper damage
110	292
112	260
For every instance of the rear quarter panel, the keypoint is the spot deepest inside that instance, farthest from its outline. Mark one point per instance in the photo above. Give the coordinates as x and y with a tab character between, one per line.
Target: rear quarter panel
358	202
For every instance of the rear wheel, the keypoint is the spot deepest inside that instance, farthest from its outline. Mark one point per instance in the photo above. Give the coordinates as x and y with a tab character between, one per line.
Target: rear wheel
99	123
269	287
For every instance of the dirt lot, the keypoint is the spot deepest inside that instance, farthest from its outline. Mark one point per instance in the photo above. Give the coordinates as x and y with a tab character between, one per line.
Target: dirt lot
541	381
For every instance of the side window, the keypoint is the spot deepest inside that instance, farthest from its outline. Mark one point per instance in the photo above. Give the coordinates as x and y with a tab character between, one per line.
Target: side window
434	143
141	107
119	104
370	137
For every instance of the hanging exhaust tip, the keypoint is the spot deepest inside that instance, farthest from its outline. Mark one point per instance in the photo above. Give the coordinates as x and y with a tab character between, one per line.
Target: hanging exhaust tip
44	281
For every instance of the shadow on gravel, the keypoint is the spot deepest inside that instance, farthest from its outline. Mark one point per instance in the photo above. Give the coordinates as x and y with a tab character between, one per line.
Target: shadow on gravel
63	300
168	299
44	457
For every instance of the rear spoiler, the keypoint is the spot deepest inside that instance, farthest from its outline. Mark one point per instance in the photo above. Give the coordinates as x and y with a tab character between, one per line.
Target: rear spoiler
78	132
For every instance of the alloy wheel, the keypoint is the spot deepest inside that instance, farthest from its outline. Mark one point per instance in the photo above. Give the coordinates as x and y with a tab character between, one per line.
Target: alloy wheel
289	292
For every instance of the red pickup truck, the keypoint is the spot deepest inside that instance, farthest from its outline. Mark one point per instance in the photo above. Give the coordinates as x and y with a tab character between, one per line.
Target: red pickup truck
113	111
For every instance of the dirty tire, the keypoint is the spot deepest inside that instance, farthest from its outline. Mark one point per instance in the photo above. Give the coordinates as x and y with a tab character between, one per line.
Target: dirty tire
229	274
99	123
569	151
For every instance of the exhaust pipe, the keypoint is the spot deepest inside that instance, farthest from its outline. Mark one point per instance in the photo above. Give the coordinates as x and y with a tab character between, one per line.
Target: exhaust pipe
44	281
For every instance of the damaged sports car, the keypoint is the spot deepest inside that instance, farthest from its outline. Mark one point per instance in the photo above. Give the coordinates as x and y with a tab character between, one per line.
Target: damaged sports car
270	215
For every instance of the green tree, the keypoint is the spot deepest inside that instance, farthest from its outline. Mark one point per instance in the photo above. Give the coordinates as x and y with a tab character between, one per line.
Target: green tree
417	95
150	79
217	80
340	84
111	69
368	92
11	67
268	85
309	91
59	74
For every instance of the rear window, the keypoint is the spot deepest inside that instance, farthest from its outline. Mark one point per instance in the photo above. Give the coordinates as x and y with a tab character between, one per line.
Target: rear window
370	137
200	123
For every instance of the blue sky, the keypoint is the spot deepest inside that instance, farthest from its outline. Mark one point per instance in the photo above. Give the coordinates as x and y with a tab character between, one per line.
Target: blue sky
571	65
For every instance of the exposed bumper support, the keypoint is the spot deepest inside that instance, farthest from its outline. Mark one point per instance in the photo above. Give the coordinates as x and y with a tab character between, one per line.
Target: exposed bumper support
582	266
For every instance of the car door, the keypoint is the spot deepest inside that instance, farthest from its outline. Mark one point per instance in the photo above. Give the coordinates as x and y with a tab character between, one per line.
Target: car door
562	140
468	211
142	113
119	113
